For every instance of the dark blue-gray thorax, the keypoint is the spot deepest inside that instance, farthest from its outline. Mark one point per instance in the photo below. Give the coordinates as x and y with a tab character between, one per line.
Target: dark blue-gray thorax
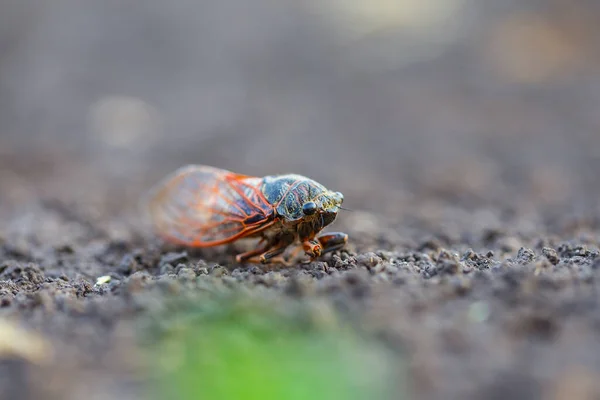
287	193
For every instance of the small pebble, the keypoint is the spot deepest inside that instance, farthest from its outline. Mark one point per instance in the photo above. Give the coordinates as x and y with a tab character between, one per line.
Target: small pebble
218	271
551	255
186	274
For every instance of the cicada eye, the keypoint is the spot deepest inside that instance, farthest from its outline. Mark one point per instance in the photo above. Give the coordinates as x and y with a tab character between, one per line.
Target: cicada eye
340	197
309	208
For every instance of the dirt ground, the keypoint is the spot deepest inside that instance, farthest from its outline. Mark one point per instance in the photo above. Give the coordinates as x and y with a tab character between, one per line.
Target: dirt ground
471	174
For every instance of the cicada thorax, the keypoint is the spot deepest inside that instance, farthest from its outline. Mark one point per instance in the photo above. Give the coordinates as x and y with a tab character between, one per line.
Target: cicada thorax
288	194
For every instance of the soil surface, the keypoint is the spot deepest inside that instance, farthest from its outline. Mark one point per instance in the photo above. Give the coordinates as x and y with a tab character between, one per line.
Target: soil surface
471	174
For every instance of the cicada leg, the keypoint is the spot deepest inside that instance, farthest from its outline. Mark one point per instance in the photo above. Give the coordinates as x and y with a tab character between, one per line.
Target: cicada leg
274	256
252	253
324	244
269	252
266	245
312	248
332	241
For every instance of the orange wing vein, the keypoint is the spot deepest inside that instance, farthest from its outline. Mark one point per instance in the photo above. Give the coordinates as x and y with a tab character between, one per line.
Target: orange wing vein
204	206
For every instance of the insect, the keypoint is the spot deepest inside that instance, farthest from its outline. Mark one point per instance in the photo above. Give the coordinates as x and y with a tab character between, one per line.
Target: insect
203	206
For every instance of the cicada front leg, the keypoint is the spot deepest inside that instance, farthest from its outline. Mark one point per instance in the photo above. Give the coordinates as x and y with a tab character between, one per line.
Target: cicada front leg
312	248
332	241
325	243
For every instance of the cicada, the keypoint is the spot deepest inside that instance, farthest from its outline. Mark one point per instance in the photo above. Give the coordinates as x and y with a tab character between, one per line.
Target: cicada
203	206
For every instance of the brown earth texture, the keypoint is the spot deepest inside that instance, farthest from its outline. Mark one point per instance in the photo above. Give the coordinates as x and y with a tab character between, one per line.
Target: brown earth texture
465	137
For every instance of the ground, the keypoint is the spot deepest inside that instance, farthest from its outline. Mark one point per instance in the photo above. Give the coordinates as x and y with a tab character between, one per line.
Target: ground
483	301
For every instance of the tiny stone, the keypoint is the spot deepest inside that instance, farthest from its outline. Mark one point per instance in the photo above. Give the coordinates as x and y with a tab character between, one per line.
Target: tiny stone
179	267
525	255
254	270
469	255
103	280
137	281
201	268
186	273
551	255
167	269
218	271
369	260
127	265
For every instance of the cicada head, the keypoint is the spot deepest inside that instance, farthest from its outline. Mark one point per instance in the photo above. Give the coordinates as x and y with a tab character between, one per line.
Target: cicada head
322	208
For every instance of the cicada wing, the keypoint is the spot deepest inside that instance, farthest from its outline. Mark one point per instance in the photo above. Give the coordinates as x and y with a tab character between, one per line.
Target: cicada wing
205	206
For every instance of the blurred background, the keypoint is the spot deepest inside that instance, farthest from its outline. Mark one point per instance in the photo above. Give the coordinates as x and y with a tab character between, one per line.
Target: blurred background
475	122
480	102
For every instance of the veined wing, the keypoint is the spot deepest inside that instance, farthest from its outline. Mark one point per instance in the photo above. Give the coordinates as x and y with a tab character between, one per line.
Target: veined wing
204	206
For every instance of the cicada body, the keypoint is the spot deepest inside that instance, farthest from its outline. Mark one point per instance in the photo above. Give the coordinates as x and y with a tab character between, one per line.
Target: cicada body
202	206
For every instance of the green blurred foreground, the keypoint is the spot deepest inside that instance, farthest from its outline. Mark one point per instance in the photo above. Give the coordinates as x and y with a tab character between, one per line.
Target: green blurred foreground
241	348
